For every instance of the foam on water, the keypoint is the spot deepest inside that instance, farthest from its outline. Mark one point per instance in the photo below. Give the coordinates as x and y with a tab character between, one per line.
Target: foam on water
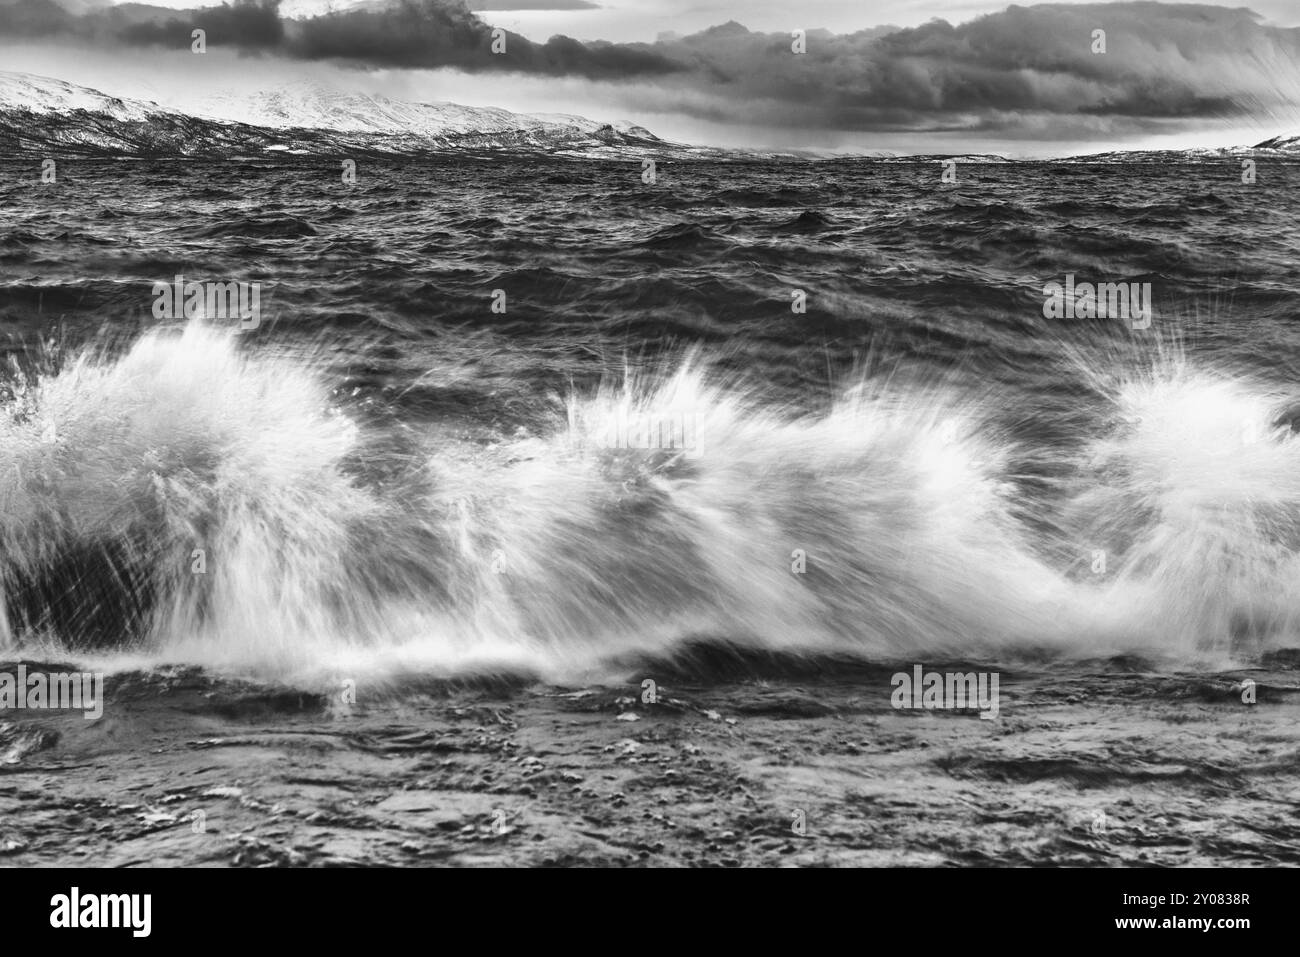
555	553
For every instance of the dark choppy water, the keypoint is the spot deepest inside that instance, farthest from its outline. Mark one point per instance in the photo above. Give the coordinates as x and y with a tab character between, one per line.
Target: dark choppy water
594	261
389	470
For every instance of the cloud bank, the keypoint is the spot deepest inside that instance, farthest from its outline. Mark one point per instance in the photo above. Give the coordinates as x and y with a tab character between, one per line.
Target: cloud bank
1027	71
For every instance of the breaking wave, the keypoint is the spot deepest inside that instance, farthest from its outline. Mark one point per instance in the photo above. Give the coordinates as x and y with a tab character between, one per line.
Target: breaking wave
192	500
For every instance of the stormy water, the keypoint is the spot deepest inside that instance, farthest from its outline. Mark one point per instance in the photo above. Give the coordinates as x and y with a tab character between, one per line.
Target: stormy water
441	446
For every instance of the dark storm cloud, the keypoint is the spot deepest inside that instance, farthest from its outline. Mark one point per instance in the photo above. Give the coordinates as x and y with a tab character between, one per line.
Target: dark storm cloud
1160	61
250	26
1025	65
404	33
424	33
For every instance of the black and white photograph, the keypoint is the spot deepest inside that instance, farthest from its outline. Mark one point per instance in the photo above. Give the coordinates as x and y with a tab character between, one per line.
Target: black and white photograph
650	434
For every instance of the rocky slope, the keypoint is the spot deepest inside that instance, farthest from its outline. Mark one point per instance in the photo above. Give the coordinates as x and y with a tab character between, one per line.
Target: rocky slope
1277	148
51	117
